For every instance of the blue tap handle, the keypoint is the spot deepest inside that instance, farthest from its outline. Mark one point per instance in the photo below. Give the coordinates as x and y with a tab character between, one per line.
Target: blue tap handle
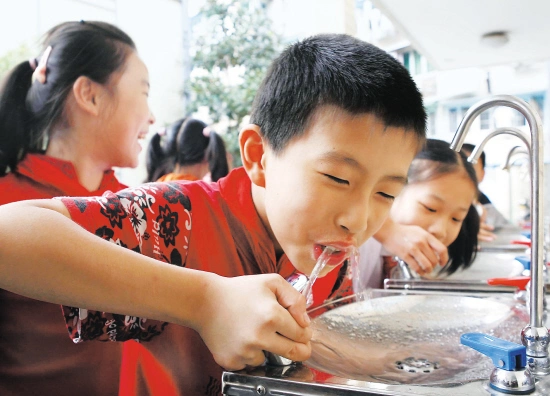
506	355
525	261
526	234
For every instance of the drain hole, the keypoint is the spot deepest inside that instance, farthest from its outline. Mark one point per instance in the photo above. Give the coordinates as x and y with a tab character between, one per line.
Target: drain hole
414	365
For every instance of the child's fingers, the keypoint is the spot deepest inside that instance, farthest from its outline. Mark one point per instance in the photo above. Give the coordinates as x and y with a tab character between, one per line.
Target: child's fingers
426	255
419	263
289	349
440	250
290	329
291	300
486	236
234	363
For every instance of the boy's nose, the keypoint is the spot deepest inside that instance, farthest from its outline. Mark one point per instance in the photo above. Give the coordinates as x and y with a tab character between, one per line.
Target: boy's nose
355	218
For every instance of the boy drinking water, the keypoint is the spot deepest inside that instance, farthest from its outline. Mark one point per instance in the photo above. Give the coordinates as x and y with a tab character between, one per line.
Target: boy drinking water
334	128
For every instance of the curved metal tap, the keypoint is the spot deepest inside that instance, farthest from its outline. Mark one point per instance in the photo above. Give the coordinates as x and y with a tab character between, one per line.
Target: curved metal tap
516	150
478	150
535	335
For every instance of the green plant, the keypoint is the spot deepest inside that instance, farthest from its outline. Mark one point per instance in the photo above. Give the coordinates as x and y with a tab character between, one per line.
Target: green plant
12	58
233	48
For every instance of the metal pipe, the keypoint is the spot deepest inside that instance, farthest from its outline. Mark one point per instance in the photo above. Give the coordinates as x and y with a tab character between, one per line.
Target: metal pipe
405	269
478	150
516	150
534	336
464	286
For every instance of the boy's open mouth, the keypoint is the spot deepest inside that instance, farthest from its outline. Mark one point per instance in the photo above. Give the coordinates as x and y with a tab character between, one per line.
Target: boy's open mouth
337	257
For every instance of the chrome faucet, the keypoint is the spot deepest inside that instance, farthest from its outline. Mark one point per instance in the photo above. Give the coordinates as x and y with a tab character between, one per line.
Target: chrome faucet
406	272
534	336
478	150
514	151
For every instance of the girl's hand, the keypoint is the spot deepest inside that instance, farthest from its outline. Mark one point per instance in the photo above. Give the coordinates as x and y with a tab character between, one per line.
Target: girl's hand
243	316
414	245
485	230
486	233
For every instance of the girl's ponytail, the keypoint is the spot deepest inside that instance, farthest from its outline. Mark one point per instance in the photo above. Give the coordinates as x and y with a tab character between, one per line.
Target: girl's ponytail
16	130
217	157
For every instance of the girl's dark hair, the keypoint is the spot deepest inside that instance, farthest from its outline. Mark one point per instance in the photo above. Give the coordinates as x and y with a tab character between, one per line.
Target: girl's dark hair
217	157
28	110
438	159
157	162
186	142
337	70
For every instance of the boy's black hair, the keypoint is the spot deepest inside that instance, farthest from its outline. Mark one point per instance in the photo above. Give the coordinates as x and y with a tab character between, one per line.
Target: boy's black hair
468	149
339	70
437	159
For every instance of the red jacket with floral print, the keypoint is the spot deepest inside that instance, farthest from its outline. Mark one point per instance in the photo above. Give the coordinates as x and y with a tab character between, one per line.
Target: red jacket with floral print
206	226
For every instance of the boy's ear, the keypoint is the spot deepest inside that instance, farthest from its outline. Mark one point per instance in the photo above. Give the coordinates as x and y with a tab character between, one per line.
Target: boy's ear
86	94
252	148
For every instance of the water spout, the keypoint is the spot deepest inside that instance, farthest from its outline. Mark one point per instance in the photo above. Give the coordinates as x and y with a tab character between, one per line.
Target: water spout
515	151
535	335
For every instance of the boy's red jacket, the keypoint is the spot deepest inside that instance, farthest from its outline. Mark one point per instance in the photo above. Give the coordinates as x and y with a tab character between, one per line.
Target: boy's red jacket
206	226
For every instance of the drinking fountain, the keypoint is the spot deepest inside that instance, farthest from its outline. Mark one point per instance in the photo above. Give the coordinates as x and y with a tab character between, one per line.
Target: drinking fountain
476	153
534	336
514	151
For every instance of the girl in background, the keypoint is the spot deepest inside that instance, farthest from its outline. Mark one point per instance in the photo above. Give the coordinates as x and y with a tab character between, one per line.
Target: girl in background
189	150
60	135
438	198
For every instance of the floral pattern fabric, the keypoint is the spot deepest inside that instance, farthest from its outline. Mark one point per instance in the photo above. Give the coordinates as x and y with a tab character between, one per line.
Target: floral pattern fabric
153	219
227	238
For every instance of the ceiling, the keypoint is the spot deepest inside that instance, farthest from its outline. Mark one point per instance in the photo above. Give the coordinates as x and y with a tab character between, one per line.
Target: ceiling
448	32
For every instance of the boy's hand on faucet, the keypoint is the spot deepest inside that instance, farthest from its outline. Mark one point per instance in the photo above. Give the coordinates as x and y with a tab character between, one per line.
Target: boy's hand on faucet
414	245
247	315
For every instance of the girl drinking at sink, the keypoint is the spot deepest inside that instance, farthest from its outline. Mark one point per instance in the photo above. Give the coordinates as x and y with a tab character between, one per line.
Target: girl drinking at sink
438	198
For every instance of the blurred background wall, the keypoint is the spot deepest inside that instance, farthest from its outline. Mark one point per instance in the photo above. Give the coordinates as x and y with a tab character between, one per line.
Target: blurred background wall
443	44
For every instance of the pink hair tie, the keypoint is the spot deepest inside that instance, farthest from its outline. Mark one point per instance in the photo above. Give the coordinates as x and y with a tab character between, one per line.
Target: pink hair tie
33	63
42	67
206	131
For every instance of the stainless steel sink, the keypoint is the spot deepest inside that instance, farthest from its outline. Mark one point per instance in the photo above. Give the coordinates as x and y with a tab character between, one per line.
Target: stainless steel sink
413	338
491	265
503	242
384	342
487	265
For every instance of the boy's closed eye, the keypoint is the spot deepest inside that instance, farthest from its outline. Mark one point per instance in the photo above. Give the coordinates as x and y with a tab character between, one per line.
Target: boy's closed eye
389	197
336	179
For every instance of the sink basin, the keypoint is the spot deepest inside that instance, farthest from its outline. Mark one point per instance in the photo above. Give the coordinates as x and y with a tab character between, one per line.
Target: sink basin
385	342
471	280
393	338
490	265
503	241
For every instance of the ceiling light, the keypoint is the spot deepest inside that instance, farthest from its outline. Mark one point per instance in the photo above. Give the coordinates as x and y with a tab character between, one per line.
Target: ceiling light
495	39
